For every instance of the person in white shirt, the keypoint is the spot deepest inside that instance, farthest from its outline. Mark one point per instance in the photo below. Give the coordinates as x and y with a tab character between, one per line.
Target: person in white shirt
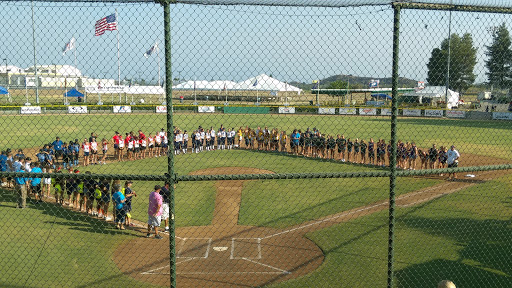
198	141
158	144
223	139
208	140
453	161
201	136
185	142
229	137
212	133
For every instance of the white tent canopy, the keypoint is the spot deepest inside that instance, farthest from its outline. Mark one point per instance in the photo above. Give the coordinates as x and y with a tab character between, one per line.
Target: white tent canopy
264	82
437	92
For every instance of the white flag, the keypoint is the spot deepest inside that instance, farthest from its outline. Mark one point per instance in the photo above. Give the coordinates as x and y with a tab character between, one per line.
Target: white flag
151	50
69	46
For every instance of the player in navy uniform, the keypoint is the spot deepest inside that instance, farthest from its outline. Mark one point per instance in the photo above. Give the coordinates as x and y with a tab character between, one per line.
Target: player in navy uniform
371	151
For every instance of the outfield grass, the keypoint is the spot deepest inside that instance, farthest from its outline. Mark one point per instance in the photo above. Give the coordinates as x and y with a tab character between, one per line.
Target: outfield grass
489	138
464	237
48	246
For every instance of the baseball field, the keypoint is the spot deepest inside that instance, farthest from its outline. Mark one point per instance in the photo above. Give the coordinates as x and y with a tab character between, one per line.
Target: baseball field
277	233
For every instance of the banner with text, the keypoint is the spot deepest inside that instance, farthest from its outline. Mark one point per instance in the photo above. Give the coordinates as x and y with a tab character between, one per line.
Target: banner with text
455	114
347	111
286	110
30	110
77	109
385	112
122	109
501	116
433	113
205	109
367	111
411	112
161	109
326	110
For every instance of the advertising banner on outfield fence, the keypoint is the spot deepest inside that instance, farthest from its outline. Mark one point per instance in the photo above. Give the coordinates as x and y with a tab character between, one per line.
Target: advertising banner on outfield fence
501	116
367	111
326	110
433	113
30	110
122	109
205	109
161	109
455	114
385	112
286	110
77	109
411	112
347	111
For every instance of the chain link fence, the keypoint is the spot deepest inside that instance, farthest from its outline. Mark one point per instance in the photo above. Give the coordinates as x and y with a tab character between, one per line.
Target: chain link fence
236	144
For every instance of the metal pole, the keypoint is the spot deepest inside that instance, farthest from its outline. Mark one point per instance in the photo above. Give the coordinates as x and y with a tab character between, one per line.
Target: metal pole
392	164
317	92
170	155
7	78
118	59
35	61
449	57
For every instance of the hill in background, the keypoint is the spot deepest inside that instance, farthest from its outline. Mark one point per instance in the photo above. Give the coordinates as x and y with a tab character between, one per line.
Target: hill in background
357	82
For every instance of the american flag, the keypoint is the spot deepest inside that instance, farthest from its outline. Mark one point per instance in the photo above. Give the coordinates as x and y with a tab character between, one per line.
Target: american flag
108	23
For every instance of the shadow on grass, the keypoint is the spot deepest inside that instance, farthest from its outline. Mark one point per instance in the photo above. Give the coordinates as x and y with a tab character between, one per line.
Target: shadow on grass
73	219
484	256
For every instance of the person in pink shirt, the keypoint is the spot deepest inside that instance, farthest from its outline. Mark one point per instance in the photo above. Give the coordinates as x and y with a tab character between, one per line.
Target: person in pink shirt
155	211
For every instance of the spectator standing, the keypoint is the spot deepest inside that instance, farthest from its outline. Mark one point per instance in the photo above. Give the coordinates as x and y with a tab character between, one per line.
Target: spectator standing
166	195
35	183
119	202
57	146
453	161
129	193
21	189
154	212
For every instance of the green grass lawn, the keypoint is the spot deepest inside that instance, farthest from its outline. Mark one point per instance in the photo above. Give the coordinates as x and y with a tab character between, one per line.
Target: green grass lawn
355	251
464	237
49	246
471	136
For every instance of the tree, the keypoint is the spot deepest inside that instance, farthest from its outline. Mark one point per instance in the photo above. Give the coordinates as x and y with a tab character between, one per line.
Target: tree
338	84
462	63
500	58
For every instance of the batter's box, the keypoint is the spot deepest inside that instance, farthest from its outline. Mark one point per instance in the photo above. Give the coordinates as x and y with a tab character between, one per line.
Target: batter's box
194	248
245	248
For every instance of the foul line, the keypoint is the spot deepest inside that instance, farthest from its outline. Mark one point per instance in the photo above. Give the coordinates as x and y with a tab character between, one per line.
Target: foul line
266	265
326	220
365	209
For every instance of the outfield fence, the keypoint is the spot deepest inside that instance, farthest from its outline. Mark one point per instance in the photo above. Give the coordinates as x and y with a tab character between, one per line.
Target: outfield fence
274	175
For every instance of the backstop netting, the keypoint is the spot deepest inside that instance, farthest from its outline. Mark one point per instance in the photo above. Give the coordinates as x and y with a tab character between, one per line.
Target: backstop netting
255	143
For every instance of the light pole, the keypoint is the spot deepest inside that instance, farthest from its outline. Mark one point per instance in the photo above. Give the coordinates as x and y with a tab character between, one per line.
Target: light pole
7	79
35	61
449	56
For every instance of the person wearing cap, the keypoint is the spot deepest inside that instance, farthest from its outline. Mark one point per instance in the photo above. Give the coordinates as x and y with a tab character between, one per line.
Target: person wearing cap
453	161
154	212
128	193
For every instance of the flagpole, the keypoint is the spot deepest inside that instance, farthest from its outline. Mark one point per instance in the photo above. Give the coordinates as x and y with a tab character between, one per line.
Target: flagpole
34	45
118	57
76	67
157	56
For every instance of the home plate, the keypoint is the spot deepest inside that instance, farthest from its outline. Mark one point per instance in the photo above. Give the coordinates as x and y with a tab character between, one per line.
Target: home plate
220	249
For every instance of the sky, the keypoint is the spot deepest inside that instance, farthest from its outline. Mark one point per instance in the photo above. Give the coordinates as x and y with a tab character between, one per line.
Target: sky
236	42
